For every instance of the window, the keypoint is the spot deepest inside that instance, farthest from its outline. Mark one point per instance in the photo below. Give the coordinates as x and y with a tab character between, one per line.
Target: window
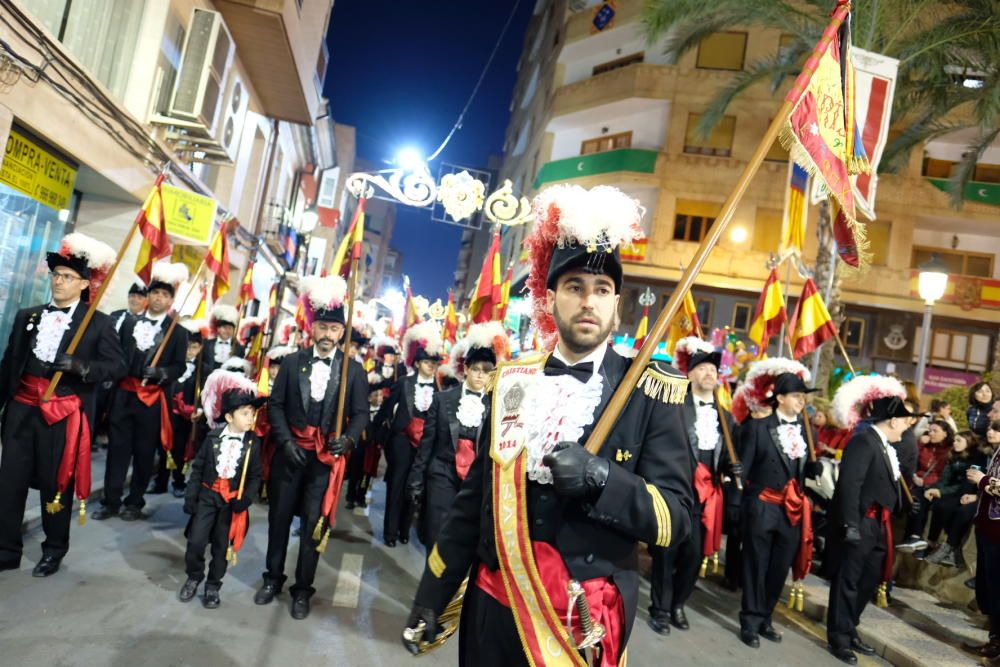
742	317
608	142
704	306
722	50
719	142
878	241
767	230
693	219
960	262
618	64
987	173
786	46
937	168
957	349
852	335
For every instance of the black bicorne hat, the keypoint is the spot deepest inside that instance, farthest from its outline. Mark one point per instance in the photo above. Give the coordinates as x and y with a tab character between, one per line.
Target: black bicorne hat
789	383
137	288
596	260
330	315
75	262
886	407
235	398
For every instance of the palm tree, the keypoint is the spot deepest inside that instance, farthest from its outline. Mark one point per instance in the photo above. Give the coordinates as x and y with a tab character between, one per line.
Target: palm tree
947	80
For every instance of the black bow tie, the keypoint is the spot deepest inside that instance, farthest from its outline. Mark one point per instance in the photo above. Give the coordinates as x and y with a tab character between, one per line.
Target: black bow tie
582	371
53	309
143	318
705	404
474	393
227	343
783	422
327	360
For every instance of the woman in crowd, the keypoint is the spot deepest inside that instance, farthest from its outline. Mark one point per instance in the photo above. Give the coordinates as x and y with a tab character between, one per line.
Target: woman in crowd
954	499
980	402
933	457
830	438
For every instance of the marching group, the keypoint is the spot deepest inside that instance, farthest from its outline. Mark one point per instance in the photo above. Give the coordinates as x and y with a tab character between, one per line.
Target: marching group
521	491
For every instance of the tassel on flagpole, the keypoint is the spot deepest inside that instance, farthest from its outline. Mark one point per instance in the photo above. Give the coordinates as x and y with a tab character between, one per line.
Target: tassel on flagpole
715	563
56	505
791	597
82	520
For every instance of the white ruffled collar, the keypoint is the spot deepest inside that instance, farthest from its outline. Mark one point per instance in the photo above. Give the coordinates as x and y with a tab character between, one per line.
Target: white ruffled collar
230	451
706	426
52	326
791	441
471	409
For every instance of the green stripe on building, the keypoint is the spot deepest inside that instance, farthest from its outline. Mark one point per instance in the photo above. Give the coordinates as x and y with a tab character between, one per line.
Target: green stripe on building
624	159
981	193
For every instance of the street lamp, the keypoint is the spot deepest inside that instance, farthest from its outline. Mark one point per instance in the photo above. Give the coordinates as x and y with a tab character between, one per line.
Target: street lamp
931	283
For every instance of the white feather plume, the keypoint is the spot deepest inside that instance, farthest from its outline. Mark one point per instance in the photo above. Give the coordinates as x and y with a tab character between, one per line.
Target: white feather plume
602	215
217	383
776	366
382	341
239	365
98	255
171	273
484	333
425	334
194	326
225	313
280	352
692	345
859	390
324	292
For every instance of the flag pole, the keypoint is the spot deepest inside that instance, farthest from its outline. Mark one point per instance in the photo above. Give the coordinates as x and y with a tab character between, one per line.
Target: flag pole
352	288
92	308
659	329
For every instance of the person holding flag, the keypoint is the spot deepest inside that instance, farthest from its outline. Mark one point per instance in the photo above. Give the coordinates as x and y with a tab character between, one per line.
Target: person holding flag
47	444
140	413
301	412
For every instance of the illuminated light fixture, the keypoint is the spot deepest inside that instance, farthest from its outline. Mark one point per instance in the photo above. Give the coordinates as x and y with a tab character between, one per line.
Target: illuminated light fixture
738	235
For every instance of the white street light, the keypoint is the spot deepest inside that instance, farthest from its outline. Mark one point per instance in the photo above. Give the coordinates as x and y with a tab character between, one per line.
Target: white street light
931	284
409	159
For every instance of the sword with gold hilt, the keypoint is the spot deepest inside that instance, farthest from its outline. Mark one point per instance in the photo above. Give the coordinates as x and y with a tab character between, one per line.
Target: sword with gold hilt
592	632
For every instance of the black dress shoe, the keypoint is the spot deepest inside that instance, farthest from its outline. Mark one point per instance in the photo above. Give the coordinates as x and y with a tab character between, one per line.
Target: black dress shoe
103	514
266	593
861	647
211	599
300	607
990	649
679	618
362	504
178	492
843	654
46	567
133	514
659	625
770	634
404	539
188	590
750	638
390	543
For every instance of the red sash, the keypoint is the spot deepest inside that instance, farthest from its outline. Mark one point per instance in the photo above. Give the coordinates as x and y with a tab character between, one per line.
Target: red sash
710	495
149	394
797	508
75	460
884	516
373	452
238	523
182	409
311	439
414	431
464	456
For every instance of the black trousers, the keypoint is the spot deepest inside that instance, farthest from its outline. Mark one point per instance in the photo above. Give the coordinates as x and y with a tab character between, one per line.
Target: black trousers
357	481
398	509
917	521
294	491
675	571
441	487
135	439
988	578
182	431
209	526
770	543
487	633
32	451
954	518
857	572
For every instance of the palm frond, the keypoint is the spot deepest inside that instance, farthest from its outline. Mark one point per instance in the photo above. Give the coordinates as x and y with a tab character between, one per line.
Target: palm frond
963	172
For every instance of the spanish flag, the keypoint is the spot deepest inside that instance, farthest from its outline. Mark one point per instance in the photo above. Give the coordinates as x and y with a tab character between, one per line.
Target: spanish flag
685	323
217	261
246	287
793	231
811	323
486	299
201	312
351	245
153	227
770	314
411	315
450	332
642	330
505	292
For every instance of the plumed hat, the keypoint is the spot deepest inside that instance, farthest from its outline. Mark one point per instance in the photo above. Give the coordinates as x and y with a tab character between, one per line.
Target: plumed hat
871	398
422	342
692	351
168	276
323	298
226	391
88	257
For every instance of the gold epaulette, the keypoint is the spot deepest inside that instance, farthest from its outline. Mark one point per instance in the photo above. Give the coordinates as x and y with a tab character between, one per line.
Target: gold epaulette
662	382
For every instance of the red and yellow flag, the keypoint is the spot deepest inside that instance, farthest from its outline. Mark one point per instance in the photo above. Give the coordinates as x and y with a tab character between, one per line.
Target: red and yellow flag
201	312
351	245
246	288
217	262
450	332
770	314
642	330
685	323
811	323
505	292
153	227
411	315
488	294
793	229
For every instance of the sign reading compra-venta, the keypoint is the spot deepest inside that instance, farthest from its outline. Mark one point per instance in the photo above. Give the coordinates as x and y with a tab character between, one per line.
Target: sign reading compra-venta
36	171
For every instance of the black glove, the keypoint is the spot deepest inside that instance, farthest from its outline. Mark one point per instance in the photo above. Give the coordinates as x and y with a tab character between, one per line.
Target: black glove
736	470
154	373
415	490
69	364
296	455
189	505
239	504
341	446
852	536
575	471
813	469
418	615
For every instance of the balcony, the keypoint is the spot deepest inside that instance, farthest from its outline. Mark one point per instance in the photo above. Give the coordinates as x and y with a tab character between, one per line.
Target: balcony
641	80
279	44
626	164
981	193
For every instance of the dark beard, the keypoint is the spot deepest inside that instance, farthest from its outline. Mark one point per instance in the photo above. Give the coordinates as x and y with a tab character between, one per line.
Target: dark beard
577	344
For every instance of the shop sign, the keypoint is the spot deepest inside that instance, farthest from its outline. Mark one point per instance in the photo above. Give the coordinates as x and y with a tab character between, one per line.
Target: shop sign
29	168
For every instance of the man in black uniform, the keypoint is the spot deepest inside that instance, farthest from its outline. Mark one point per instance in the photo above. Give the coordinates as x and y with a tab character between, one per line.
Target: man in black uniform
774	452
47	444
223	346
866	495
105	390
140	413
454	422
401	422
536	501
675	570
302	410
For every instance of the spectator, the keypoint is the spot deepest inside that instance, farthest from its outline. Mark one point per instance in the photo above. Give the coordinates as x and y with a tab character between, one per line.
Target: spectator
932	459
994	413
980	402
940	411
830	439
955	497
987	524
906	449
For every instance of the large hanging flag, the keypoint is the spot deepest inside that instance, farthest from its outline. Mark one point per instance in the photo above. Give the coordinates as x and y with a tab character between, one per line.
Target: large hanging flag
684	324
811	323
875	79
770	314
153	227
487	296
217	262
450	330
822	135
793	229
505	292
351	245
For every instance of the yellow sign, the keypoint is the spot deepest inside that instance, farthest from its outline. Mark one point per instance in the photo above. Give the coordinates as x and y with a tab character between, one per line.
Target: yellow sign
29	168
189	215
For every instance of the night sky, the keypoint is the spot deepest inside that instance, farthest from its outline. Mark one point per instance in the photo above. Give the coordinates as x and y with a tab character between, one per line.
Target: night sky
400	72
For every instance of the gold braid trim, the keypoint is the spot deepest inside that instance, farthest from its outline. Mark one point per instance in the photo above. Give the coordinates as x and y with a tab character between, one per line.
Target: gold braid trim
661	387
662	513
436	563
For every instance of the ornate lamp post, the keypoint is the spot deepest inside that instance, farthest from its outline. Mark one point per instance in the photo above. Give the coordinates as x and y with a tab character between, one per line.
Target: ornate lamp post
932	281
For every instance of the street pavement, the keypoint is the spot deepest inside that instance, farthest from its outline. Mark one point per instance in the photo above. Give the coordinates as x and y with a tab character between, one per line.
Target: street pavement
114	603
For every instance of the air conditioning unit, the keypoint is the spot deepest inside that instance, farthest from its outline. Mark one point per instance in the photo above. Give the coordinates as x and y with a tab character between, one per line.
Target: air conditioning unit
328	188
207	55
234	114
